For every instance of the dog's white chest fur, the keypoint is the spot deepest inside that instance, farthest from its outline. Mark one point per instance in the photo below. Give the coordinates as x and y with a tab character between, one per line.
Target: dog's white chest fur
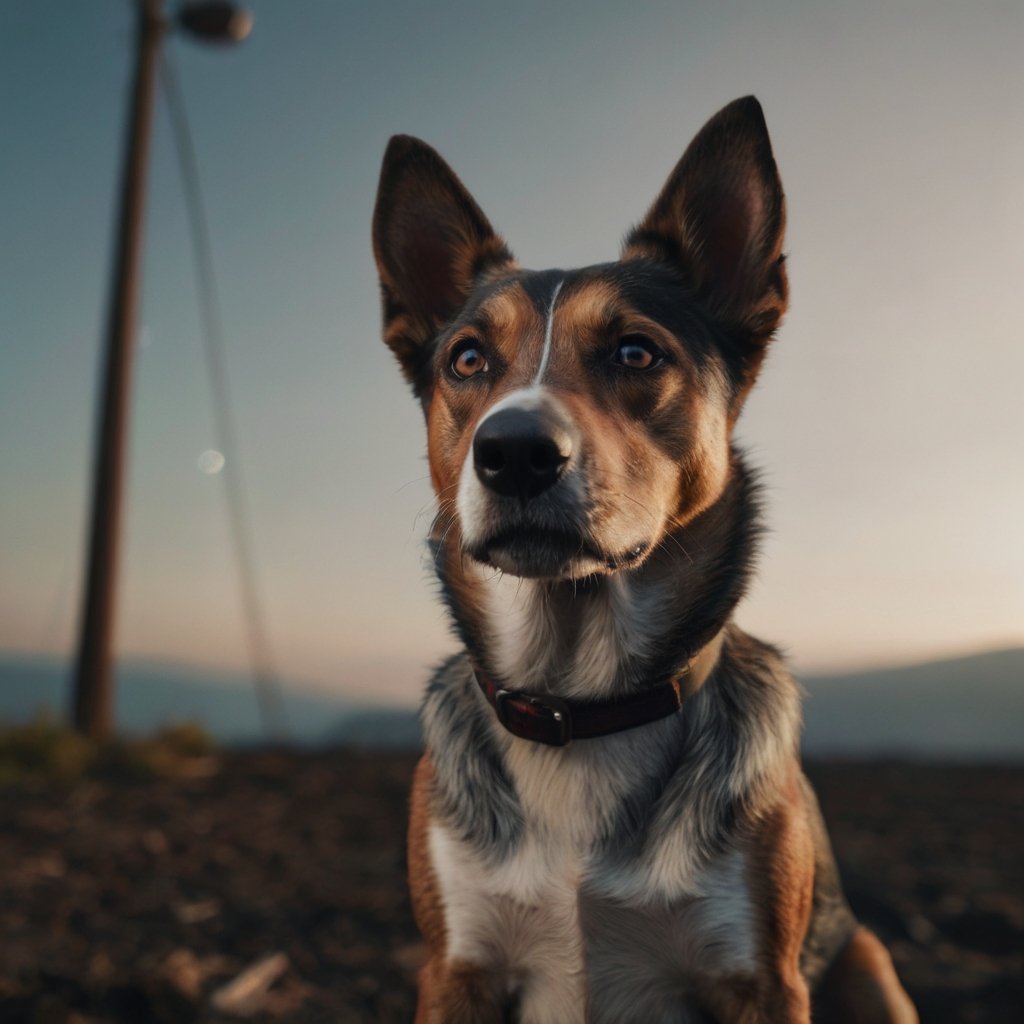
575	933
557	922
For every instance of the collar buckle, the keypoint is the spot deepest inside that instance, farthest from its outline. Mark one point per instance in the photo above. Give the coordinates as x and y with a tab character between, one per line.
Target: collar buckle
542	719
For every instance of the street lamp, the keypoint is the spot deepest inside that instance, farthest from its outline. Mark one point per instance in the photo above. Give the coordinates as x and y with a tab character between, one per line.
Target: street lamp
212	22
219	23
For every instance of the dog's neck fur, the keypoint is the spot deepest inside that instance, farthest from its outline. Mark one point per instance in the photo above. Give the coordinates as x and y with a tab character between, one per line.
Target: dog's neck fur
609	635
727	755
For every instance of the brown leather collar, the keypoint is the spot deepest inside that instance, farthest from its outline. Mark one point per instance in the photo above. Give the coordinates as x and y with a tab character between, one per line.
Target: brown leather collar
557	722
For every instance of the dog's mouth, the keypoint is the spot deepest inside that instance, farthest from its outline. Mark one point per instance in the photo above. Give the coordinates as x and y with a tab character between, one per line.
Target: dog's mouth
538	553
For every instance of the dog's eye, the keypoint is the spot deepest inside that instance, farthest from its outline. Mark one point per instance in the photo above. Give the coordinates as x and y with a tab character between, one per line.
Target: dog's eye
468	361
637	352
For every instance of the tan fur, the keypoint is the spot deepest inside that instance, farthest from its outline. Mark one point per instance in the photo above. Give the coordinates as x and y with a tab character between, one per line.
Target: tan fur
426	898
510	315
448	991
862	988
457	993
585	310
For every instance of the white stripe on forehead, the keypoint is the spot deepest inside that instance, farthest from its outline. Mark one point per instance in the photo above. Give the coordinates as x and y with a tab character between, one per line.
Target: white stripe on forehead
532	396
548	334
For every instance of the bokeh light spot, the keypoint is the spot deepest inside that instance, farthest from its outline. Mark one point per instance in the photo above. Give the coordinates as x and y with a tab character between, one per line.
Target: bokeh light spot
211	462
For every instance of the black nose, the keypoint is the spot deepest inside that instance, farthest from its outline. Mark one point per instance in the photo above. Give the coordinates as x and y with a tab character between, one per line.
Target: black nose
520	453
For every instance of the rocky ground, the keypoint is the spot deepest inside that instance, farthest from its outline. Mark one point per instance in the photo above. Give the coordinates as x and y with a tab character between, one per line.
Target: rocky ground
269	886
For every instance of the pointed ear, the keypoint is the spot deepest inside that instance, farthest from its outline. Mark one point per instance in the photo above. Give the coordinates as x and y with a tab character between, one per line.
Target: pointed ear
431	242
721	217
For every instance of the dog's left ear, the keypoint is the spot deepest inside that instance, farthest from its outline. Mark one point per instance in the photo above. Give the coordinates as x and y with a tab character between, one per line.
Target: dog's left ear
720	217
432	243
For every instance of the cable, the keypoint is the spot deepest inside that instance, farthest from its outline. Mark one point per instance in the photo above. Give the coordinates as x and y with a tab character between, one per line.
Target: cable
267	683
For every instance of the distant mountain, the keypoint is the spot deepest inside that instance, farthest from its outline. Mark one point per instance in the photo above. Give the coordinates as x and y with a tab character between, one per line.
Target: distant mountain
150	694
970	708
380	729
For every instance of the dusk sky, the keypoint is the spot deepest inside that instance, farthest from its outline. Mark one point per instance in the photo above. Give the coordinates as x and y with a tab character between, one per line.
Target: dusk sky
888	420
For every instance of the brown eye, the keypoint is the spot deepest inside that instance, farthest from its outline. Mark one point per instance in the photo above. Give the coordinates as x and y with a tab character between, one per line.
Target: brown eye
468	362
636	352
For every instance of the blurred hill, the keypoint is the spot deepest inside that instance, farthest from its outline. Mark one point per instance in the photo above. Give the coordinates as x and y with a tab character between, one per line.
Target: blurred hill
970	707
150	694
962	708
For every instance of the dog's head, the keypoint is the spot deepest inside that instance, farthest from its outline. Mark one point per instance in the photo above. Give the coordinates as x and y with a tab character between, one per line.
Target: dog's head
577	418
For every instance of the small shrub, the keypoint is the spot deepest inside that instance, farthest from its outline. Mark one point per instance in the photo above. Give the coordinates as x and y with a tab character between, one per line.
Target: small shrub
46	750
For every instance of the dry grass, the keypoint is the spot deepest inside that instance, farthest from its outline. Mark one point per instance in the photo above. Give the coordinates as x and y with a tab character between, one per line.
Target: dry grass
46	752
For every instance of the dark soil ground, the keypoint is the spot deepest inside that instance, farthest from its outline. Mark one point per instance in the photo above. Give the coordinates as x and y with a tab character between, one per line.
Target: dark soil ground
140	900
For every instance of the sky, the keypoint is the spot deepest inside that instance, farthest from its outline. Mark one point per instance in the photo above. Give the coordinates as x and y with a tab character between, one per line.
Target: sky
887	421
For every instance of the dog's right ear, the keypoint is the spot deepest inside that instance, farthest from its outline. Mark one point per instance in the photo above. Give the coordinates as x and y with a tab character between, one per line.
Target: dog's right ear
432	243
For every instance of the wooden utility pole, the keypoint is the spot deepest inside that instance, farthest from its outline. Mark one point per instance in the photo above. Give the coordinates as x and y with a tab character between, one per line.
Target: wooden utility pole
93	683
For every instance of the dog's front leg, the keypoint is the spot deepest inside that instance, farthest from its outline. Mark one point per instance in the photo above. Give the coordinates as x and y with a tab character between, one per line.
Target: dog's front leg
780	873
451	991
764	1000
457	993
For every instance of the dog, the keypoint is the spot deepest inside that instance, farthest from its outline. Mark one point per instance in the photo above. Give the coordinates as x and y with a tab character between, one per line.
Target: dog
610	823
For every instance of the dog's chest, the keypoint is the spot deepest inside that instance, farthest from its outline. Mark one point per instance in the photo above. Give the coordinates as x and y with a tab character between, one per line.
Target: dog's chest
550	916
